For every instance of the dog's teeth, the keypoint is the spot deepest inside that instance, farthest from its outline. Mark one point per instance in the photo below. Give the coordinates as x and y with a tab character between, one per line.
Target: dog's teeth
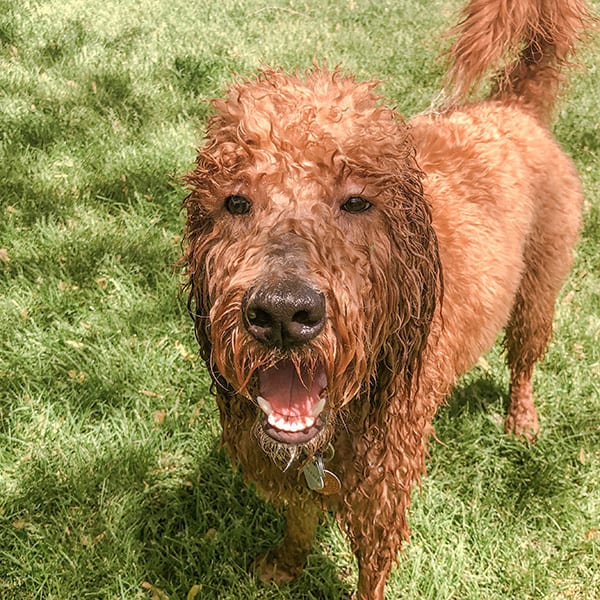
305	423
295	426
309	422
264	406
291	426
318	407
275	421
301	424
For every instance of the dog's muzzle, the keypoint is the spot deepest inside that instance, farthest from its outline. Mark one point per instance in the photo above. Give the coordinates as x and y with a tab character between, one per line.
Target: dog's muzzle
283	316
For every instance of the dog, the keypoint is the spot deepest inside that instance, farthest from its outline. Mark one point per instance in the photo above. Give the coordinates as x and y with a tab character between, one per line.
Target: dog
344	267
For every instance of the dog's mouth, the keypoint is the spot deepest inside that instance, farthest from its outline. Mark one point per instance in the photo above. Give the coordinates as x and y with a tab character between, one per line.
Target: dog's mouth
293	399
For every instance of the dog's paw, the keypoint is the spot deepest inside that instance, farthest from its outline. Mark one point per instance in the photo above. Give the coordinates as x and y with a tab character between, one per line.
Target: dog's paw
278	567
523	424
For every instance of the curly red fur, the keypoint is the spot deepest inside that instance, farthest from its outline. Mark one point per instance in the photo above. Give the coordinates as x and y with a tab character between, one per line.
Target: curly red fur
527	43
481	193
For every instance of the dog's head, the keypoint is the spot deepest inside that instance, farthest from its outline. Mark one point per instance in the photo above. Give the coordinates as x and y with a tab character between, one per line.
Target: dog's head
312	264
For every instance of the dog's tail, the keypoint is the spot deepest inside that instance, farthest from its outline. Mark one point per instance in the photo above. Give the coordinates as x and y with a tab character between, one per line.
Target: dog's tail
527	42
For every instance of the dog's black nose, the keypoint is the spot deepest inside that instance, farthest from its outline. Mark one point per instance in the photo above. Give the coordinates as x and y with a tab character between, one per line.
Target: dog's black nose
284	314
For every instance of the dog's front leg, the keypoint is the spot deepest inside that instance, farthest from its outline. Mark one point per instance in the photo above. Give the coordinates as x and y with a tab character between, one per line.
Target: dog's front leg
374	565
377	528
376	521
285	562
372	579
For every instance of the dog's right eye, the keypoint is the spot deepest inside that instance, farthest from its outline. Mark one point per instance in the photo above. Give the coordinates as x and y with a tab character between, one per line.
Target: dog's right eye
237	205
356	204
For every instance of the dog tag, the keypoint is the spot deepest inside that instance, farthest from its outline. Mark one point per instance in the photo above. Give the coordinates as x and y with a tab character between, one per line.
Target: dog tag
313	473
331	484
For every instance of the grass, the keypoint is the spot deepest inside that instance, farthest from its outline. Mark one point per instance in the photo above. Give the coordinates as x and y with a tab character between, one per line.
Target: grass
111	483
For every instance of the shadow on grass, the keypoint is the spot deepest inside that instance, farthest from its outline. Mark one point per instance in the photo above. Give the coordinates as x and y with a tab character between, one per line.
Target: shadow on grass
537	482
475	396
208	532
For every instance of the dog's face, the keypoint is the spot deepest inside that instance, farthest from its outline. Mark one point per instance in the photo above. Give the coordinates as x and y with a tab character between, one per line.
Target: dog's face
311	259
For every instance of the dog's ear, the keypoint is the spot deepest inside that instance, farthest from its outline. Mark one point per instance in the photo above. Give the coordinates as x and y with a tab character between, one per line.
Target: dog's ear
198	238
389	427
199	235
198	228
416	286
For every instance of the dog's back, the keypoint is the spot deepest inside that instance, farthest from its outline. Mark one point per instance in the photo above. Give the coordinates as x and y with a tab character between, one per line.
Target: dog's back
505	199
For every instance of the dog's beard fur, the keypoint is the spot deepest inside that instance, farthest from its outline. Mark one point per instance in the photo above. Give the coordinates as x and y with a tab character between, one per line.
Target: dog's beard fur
284	455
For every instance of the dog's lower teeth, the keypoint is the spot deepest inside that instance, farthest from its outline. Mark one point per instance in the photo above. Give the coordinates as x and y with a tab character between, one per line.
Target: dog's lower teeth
289	424
283	424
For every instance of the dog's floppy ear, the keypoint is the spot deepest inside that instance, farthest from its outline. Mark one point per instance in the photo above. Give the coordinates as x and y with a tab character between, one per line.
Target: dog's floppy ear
416	286
198	238
197	230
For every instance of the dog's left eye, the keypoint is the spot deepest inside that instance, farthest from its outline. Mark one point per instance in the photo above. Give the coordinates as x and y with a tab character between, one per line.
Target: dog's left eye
356	204
237	205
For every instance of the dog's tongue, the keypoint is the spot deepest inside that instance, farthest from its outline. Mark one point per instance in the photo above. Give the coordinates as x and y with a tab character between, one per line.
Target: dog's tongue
291	399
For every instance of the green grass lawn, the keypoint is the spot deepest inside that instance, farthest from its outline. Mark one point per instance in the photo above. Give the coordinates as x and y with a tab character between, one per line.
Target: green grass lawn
111	481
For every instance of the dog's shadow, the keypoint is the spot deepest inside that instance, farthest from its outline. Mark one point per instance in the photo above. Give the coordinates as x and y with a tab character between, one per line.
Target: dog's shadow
471	436
208	531
475	394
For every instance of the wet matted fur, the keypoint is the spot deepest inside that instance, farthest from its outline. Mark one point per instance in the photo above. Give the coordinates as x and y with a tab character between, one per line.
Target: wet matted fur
344	267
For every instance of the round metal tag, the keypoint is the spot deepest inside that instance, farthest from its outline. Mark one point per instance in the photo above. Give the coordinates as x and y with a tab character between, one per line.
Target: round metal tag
331	484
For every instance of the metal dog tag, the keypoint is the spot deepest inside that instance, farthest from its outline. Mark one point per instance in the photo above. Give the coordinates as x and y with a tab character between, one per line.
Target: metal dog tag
313	473
331	484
